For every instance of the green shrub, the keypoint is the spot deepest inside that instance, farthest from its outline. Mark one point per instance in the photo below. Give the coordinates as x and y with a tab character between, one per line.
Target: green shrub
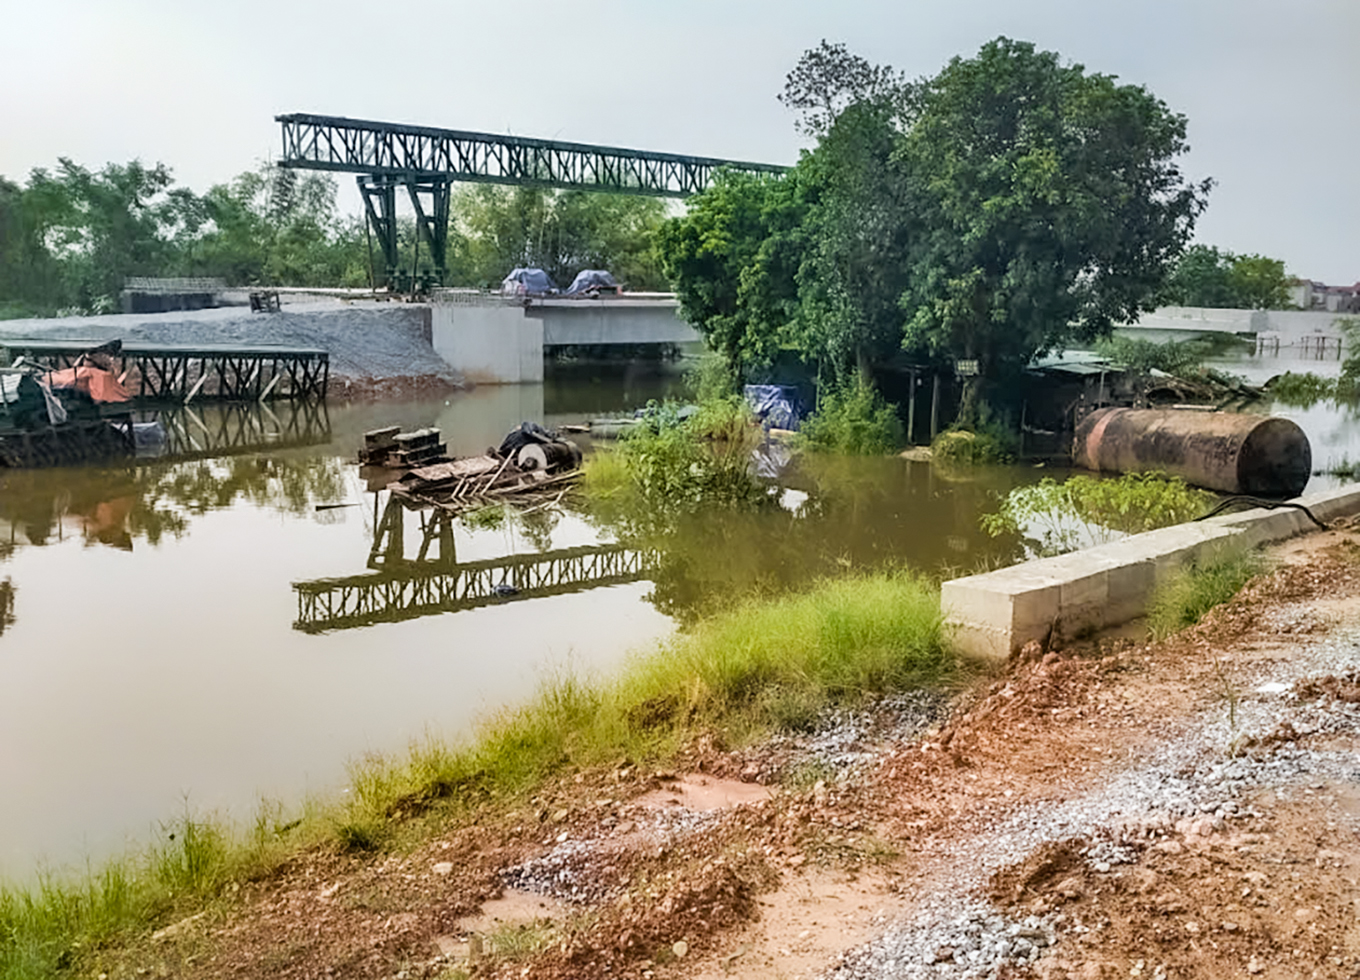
668	460
853	420
1083	510
1302	390
1184	598
1182	358
960	447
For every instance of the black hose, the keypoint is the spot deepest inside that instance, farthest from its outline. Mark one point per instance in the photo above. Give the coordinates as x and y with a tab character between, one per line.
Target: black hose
1232	501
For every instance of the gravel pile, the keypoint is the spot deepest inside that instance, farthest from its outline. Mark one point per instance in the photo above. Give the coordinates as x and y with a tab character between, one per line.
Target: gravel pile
365	340
1194	784
843	739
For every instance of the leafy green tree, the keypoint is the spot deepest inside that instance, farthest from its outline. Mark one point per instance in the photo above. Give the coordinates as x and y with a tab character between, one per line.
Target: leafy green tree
1206	276
1048	206
828	79
858	234
104	226
30	279
1259	282
562	233
275	225
733	260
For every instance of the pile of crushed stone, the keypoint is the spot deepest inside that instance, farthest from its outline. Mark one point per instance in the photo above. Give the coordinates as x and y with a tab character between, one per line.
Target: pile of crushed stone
365	340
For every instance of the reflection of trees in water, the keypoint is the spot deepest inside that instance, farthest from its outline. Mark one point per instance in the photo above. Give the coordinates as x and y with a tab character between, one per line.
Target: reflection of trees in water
857	514
6	605
117	505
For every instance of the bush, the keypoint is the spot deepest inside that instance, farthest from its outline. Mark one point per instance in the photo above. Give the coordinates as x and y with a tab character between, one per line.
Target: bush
853	420
1083	510
669	460
1301	390
964	448
1179	357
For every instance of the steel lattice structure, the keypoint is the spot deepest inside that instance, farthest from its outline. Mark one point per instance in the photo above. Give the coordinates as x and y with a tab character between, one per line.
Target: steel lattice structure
426	161
423	153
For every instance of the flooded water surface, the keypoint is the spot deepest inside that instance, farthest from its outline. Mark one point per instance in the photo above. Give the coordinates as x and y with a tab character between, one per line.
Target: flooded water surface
206	630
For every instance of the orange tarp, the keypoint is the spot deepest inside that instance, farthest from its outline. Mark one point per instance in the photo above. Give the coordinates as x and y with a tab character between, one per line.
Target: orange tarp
99	384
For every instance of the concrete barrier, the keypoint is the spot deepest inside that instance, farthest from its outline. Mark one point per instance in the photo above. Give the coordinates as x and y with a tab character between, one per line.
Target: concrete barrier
994	614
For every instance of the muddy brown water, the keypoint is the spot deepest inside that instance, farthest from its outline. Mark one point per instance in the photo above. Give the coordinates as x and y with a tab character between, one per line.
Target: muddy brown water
150	660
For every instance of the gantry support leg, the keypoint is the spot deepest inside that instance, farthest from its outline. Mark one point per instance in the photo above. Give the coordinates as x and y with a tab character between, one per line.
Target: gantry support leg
380	209
432	223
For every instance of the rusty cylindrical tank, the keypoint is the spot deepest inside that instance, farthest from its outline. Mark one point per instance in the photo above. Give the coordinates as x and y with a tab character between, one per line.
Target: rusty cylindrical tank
1251	454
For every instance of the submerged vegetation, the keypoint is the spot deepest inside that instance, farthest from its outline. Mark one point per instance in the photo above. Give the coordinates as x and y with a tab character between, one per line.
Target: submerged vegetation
1059	517
1302	390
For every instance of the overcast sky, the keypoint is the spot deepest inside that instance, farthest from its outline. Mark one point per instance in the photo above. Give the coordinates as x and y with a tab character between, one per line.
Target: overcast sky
1270	86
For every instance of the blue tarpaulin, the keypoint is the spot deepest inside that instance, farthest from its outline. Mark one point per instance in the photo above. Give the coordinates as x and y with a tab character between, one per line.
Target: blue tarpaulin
777	406
527	282
591	280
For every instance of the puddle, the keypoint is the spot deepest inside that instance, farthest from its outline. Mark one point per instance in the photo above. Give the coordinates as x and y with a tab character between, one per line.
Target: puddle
514	908
704	793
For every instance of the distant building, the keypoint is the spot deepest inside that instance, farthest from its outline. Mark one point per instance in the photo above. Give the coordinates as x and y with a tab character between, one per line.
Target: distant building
1309	294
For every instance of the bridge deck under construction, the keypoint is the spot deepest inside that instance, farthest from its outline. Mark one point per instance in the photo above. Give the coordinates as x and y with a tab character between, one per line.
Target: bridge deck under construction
393	596
183	372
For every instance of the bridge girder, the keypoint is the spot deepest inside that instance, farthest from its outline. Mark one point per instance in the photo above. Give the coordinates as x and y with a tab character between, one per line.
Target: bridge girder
427	161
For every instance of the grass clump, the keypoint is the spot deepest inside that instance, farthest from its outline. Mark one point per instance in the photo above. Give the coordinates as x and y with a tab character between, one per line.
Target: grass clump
49	927
1184	598
853	420
1082	511
763	666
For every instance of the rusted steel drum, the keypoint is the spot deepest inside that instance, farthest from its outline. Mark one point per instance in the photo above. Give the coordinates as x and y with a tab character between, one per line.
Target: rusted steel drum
1252	454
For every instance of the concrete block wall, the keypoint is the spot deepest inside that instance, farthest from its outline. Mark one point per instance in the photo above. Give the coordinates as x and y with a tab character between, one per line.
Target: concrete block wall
994	614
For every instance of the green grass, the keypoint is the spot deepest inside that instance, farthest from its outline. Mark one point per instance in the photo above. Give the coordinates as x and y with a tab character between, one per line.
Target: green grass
766	665
1184	598
1083	511
763	666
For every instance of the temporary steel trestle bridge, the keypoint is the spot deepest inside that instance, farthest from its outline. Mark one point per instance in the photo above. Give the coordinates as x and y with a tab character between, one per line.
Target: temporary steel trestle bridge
427	161
181	373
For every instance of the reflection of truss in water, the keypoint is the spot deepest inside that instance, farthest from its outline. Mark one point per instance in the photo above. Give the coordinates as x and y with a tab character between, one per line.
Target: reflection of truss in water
230	429
402	588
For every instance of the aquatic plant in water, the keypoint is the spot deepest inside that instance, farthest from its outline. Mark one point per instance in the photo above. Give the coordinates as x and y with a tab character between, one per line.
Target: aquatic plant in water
1056	518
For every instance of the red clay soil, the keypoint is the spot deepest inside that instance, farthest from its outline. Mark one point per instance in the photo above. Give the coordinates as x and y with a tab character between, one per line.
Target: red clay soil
624	873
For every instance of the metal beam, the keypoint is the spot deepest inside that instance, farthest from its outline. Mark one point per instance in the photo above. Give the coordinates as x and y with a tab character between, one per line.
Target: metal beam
379	149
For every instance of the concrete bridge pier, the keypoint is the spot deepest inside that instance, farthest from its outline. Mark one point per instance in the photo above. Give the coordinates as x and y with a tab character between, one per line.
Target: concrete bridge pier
498	340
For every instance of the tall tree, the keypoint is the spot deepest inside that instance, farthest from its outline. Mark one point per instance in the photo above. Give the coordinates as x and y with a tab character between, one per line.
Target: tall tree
858	233
559	232
1049	206
828	78
733	260
1206	276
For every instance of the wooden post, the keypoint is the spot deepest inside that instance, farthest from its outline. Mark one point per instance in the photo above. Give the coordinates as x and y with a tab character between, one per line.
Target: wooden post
911	411
935	407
